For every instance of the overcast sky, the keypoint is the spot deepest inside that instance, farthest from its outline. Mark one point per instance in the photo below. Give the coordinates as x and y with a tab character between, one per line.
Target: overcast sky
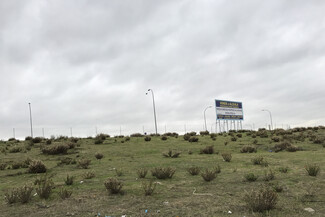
87	64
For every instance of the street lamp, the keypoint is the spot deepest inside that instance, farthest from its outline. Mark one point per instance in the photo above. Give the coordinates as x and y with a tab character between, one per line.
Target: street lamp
205	121
265	110
154	108
30	119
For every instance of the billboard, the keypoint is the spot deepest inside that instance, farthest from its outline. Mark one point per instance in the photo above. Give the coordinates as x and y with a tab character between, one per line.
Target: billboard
229	110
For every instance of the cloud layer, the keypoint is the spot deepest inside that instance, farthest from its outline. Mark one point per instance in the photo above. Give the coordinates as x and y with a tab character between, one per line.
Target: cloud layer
84	64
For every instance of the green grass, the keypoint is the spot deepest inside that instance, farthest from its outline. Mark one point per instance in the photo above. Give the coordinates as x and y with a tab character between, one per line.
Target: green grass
225	193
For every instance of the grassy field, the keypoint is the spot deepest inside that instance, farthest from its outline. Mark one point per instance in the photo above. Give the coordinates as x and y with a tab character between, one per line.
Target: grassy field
181	195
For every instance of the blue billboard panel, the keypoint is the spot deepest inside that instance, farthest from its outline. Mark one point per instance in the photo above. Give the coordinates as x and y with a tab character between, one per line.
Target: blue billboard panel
229	110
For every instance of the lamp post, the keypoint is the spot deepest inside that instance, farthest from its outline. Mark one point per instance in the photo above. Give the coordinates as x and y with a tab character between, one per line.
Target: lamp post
154	108
265	110
30	119
205	120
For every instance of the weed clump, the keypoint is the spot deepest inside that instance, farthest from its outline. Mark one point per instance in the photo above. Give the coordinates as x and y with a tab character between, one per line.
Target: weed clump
170	154
312	169
55	149
193	170
84	163
193	139
142	172
226	157
261	200
208	175
283	169
114	186
163	173
257	160
250	177
207	150
22	194
147	138
64	193
36	166
69	180
269	175
99	156
44	187
148	187
164	138
248	149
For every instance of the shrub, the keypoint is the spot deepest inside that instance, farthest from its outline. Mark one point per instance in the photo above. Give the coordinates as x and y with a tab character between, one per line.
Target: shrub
164	138
193	170
226	157
48	142
250	177
98	140
3	166
207	150
11	196
84	163
142	172
204	133
190	152
66	161
261	200
16	165
64	193
148	187
15	149
118	172
248	149
136	135
269	175
275	139
127	138
292	148
22	194
69	180
114	186
282	146
55	149
234	139
257	160
163	173
283	169
186	136
71	145
192	133
171	154
239	135
217	169
99	156
193	139
147	138
276	187
27	138
36	166
88	175
208	175
312	169
37	140
44	187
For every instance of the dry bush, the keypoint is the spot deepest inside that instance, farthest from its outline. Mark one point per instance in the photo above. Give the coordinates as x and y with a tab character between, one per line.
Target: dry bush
88	175
163	173
193	170
64	193
257	160
3	166
312	169
36	166
142	172
208	175
275	139
15	149
217	169
171	154
147	138
204	133
118	172
114	186
248	149
226	157
250	177
164	138
55	149
268	175
84	163
44	187
261	200
148	187
207	150
186	136
66	161
282	146
193	139
283	169
99	156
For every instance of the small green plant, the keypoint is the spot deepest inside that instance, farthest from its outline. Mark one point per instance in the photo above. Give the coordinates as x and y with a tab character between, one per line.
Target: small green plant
69	180
148	187
163	173
208	175
99	156
118	172
283	169
44	186
88	175
217	169
64	193
312	169
142	172
171	154
207	150
250	177
36	166
268	175
226	157
84	163
114	186
193	170
261	200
